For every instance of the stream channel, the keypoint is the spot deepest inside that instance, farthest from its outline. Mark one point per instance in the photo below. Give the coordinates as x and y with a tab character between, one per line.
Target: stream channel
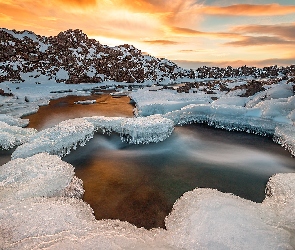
140	183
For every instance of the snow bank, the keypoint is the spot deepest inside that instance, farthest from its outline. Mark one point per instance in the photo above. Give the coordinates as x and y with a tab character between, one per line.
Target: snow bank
11	136
68	134
138	130
12	121
154	100
59	139
280	198
209	219
227	117
41	175
285	136
200	219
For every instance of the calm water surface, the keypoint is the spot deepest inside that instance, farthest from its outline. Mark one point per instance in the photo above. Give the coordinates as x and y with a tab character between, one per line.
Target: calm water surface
140	183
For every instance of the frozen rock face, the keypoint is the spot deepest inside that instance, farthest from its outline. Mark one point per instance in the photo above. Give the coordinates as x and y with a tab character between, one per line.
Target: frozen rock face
41	175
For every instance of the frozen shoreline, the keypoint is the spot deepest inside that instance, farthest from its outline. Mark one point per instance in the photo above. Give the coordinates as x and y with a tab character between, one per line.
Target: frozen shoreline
66	222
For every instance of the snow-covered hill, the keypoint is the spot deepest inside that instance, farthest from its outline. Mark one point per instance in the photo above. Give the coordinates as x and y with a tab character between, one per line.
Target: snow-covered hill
72	57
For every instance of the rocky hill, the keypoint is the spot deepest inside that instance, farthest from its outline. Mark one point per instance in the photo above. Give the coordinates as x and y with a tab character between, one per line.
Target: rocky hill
72	57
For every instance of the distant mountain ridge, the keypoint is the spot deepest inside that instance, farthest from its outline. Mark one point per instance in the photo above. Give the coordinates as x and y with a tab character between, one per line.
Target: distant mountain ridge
72	57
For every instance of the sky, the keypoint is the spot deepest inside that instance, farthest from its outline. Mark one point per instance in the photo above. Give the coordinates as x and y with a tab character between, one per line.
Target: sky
191	33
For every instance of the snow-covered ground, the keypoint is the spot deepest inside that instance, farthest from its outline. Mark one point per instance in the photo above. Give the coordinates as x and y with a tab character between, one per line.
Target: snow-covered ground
40	205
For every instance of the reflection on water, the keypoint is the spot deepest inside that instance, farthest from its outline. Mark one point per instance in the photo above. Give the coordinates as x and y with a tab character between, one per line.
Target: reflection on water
140	183
65	108
5	156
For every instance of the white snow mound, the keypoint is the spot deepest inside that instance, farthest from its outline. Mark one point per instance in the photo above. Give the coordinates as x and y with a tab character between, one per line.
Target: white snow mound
11	136
41	175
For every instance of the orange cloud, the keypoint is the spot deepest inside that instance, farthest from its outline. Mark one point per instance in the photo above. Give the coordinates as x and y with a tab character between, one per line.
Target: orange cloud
286	31
4	17
192	32
249	10
259	41
236	63
161	42
80	3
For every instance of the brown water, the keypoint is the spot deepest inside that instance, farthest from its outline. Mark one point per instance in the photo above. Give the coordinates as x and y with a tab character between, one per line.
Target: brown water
65	108
140	183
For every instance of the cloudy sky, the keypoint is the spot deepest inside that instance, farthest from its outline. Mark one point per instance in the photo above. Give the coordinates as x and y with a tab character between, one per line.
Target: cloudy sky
190	32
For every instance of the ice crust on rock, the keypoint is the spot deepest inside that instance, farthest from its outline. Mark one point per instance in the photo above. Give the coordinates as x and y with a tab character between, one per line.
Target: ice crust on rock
12	121
224	116
200	219
151	100
209	219
280	198
68	134
41	175
11	136
138	130
285	136
58	140
66	223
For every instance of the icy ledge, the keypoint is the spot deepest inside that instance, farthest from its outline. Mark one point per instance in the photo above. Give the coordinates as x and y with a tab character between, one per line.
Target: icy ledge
11	136
41	175
285	136
200	219
67	135
154	128
58	140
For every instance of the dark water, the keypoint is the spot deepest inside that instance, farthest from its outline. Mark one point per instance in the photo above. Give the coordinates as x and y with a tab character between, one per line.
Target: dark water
140	183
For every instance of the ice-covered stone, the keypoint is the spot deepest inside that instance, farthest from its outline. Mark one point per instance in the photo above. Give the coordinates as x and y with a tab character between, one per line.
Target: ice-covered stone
41	175
209	219
59	139
11	136
150	101
285	136
229	117
12	121
280	198
137	130
67	223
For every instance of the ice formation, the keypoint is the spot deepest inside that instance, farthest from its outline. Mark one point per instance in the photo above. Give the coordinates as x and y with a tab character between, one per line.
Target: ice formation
68	134
154	100
280	198
59	139
13	121
41	175
200	219
209	219
149	129
270	112
11	136
285	136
